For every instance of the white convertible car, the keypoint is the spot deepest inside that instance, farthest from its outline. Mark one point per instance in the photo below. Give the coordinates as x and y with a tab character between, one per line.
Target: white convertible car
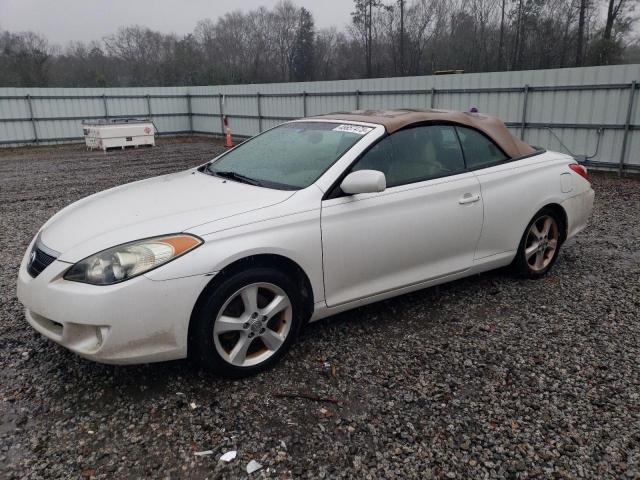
225	263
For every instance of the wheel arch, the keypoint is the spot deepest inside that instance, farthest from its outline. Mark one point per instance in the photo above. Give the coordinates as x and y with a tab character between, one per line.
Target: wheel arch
270	260
560	213
562	216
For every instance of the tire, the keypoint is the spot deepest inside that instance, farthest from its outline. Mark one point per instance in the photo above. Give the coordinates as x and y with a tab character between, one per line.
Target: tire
247	323
540	245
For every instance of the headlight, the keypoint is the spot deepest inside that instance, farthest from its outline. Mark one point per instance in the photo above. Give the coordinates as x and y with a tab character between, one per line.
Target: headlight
129	260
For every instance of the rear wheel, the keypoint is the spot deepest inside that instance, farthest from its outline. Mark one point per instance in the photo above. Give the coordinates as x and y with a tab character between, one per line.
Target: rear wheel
540	245
247	323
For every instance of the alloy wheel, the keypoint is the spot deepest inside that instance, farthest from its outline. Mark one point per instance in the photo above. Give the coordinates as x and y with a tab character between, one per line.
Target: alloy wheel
542	243
252	324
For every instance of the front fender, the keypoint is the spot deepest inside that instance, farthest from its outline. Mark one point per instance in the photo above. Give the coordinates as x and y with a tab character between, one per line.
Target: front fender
295	236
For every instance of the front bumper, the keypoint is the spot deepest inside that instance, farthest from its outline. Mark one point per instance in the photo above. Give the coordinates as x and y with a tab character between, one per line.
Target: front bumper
137	321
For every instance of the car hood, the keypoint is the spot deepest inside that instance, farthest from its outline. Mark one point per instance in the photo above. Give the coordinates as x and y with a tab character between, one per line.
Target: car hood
156	206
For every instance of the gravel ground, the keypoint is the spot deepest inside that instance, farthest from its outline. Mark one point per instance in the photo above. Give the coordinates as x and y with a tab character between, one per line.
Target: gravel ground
485	377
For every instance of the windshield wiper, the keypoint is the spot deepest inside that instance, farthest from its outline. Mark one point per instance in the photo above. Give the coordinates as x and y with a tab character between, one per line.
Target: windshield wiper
238	177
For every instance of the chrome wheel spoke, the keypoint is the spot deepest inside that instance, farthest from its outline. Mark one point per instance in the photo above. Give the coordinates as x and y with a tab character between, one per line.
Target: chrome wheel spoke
249	297
238	354
546	226
552	244
228	324
272	340
531	251
279	303
535	231
539	263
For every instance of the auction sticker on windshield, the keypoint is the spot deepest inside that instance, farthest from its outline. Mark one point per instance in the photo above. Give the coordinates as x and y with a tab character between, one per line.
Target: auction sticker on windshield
353	129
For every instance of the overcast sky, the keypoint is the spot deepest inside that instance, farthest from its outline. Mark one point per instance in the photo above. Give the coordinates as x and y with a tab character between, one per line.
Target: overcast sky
64	20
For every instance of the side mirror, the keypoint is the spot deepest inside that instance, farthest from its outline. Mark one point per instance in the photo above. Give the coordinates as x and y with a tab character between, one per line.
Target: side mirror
364	181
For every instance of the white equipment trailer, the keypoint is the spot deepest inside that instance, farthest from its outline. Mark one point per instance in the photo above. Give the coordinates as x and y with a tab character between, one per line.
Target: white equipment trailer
121	132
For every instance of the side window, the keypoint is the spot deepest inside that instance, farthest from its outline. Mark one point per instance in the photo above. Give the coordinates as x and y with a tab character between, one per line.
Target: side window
379	157
415	154
479	151
425	152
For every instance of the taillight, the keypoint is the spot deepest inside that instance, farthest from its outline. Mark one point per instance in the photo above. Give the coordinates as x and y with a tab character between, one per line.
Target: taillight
580	170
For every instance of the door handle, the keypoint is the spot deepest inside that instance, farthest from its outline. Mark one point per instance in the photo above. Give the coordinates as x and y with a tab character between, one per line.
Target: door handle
468	198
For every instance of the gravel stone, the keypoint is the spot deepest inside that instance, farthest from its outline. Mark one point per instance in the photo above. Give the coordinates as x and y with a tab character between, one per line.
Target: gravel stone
487	377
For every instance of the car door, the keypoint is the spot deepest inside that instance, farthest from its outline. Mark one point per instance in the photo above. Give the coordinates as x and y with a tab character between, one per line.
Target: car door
510	190
425	224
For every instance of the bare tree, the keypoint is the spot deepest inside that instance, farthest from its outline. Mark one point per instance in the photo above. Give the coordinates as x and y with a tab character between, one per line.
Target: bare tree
385	38
501	42
26	58
614	9
608	48
419	31
401	5
285	29
362	18
580	37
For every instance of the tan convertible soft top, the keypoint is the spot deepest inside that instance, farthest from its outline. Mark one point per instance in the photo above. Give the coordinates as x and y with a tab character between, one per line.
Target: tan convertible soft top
394	120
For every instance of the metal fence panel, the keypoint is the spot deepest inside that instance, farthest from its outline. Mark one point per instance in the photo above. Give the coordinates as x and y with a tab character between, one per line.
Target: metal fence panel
558	109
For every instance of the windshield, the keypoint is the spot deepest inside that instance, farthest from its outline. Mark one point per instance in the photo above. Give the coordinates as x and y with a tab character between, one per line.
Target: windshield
291	156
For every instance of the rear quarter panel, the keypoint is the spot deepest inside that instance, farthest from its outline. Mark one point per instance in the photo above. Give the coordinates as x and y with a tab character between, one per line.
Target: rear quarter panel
512	193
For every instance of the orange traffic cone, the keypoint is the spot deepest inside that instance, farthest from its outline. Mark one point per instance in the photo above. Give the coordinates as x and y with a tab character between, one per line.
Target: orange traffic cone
228	142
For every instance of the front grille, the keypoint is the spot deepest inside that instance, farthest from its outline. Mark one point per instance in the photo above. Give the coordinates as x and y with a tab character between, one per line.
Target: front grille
38	261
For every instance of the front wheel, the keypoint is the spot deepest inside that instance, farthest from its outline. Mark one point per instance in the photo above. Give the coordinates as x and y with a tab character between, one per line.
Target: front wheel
539	246
247	323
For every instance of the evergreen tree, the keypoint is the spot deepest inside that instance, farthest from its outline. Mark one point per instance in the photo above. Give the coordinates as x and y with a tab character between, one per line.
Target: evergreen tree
304	48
